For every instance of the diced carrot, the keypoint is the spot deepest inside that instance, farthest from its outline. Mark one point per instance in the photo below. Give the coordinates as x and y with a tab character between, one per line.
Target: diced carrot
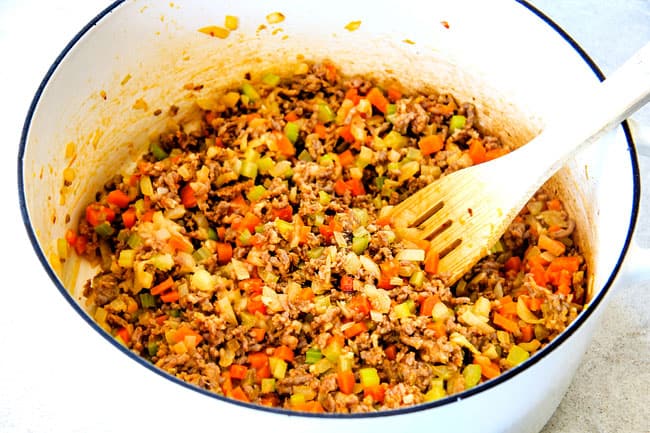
353	95
508	307
224	252
505	323
356	187
238	371
553	246
431	261
263	372
345	133
306	294
426	307
488	368
129	217
71	237
255	304
313	406
393	94
495	153
377	99
330	72
285	146
346	158
258	359
477	151
390	268
534	304
385	220
250	221
320	130
251	285
258	334
118	198
564	282
360	304
340	187
226	386
391	352
377	392
283	352
252	116
345	381
554	204
527	332
270	400
80	244
179	243
187	196
430	144
183	331
356	329
513	264
347	283
284	213
554	228
239	394
95	214
210	116
439	328
570	263
124	335
171	296
162	287
147	216
160	320
291	116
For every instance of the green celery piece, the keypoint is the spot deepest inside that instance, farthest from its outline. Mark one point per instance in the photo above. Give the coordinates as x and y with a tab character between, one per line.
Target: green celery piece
157	151
292	130
456	122
248	90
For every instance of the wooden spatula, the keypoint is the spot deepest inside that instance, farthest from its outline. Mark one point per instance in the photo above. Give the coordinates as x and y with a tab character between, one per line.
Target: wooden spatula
464	213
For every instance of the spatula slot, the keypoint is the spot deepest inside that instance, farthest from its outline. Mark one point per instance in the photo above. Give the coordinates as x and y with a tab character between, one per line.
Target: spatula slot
455	244
429	213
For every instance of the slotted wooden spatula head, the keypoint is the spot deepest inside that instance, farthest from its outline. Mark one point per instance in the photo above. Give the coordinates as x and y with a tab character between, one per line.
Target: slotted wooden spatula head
464	213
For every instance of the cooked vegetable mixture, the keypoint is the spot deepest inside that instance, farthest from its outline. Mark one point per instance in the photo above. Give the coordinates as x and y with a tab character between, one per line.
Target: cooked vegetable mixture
250	252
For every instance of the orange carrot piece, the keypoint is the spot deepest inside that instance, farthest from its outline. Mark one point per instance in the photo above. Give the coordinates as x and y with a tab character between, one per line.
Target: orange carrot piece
439	328
391	352
124	335
431	262
187	196
258	334
505	323
320	130
431	144
527	332
356	187
488	368
377	392
345	133
426	308
513	264
283	352
291	116
554	204
377	99
171	296
346	158
258	359
353	95
355	329
224	252
360	304
238	371
129	217
345	381
495	153
477	151
163	286
285	147
239	394
118	198
393	94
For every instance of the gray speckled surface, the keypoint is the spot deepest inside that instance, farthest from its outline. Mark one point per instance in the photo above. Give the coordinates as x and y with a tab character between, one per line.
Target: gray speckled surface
610	390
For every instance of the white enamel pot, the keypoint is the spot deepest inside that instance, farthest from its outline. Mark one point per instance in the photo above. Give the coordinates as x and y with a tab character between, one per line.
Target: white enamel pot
514	66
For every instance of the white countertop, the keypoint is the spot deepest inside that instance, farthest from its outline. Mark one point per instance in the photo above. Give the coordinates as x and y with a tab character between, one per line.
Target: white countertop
44	386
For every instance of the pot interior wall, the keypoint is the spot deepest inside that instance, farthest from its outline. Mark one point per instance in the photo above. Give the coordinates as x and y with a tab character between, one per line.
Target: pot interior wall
145	57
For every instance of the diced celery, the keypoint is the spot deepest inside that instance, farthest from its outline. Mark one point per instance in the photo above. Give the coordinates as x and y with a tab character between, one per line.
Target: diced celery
472	375
327	159
139	206
265	164
366	156
245	237
360	244
278	367
368	376
436	390
441	312
361	217
321	304
163	262
405	309
324	198
104	229
134	240
332	351
496	248
292	130
305	156
157	151
408	170
251	155
249	91
201	254
325	113
312	355
212	234
517	355
296	399
395	140
147	300
256	193
126	258
202	280
417	279
271	79
284	228
281	169
315	252
457	122
248	320
267	385
317	219
152	348
143	278
248	169
146	187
